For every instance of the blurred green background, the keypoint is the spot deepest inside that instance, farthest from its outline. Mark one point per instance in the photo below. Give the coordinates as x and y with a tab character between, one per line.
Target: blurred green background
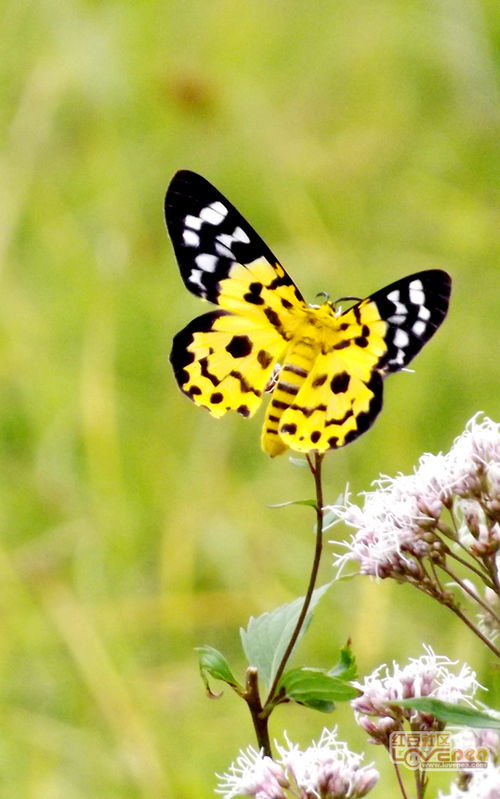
362	141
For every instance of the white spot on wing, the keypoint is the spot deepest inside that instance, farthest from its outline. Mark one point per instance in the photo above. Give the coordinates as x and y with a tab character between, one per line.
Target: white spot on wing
206	262
397	319
213	214
401	338
195	277
219	207
191	239
419	328
424	312
417	296
193	222
222	250
399	359
225	239
417	285
240	235
400	307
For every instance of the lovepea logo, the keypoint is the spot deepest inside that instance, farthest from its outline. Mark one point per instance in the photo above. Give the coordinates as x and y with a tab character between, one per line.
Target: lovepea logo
434	750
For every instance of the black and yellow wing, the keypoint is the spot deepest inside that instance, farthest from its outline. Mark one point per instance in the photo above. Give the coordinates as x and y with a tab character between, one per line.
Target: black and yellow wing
224	359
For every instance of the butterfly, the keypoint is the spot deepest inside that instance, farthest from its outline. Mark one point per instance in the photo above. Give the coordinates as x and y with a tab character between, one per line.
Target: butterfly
323	368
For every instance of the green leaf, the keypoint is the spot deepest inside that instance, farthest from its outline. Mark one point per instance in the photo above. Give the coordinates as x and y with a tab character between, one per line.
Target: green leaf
315	688
346	668
214	664
453	714
311	503
266	637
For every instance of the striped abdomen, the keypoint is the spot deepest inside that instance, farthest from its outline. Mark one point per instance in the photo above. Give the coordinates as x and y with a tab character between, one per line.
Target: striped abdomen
294	371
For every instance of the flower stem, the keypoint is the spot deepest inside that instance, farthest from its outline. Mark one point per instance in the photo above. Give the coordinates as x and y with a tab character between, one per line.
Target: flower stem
315	467
260	722
420	784
466	589
491	565
400	781
476	630
482	574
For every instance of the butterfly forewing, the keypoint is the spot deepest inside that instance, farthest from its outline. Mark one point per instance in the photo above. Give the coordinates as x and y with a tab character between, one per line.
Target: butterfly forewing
413	308
210	237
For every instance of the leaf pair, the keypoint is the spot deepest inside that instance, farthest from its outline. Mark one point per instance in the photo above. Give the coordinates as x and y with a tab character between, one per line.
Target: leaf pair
265	641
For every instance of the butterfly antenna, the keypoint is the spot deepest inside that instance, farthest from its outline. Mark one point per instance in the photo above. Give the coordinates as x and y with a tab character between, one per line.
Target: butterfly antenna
323	294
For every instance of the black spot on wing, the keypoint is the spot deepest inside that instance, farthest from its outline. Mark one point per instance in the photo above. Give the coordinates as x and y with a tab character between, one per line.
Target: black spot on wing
239	346
264	358
340	382
253	294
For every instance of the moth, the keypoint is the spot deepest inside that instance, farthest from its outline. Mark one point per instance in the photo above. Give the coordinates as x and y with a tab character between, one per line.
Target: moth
324	368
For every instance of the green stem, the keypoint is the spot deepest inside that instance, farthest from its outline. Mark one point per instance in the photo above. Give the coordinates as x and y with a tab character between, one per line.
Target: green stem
315	467
400	781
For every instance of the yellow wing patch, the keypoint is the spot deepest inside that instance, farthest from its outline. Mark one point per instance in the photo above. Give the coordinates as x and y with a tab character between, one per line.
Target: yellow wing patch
223	362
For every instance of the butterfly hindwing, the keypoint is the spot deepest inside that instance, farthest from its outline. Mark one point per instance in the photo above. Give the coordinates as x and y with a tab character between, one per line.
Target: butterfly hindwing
342	393
222	363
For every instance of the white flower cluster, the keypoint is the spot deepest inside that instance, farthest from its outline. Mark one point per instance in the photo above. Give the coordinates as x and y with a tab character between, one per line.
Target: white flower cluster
397	527
377	709
484	784
325	770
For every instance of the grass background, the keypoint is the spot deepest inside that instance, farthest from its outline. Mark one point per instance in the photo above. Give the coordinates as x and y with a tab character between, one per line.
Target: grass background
361	139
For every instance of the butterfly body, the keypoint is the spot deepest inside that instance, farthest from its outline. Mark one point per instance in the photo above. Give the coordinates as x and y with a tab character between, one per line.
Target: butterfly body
325	369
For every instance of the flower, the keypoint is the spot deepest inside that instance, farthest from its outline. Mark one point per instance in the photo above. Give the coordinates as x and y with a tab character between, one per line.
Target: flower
484	784
428	675
474	458
401	530
391	530
325	770
253	774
